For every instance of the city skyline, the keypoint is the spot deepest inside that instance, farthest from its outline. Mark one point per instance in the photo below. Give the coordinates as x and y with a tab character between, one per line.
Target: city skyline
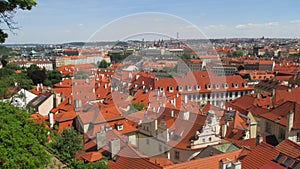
58	22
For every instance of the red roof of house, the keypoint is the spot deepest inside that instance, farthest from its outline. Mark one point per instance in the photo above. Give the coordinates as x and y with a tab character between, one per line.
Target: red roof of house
211	162
91	156
259	156
279	114
289	148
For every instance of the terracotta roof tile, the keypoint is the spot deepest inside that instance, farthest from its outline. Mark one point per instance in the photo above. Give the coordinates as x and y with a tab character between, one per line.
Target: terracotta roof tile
211	162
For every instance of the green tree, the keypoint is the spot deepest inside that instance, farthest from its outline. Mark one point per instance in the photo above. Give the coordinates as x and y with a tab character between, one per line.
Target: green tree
21	140
67	143
8	9
103	64
138	106
53	77
36	74
237	53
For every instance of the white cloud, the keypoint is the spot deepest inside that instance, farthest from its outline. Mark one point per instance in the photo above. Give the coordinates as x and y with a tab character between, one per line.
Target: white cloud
256	25
295	21
215	27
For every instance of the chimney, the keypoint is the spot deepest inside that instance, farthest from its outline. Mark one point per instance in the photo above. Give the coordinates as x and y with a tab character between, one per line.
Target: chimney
172	113
69	100
224	164
259	139
51	120
101	139
236	165
185	98
37	87
114	147
290	121
174	102
224	129
186	115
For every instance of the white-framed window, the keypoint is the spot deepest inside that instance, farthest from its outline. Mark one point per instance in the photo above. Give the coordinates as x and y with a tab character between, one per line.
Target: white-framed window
208	86
197	87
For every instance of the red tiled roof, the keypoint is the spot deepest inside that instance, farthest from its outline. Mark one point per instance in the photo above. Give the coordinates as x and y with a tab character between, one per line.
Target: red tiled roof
248	143
259	156
91	156
289	148
211	162
279	114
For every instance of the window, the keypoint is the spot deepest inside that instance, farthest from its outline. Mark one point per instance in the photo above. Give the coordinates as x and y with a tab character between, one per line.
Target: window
298	137
286	161
203	140
209	138
268	127
147	141
281	134
176	155
160	148
180	88
170	89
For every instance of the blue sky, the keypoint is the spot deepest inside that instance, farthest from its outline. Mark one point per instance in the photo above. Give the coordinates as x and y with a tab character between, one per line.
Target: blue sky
57	21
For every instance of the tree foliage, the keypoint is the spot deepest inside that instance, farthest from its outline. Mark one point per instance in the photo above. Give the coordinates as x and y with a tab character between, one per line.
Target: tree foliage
53	77
138	106
21	140
8	9
9	79
67	143
103	64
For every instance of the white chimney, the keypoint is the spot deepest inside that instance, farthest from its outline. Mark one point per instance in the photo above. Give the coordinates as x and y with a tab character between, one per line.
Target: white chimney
172	113
185	99
115	147
236	165
290	121
69	100
51	119
186	115
101	138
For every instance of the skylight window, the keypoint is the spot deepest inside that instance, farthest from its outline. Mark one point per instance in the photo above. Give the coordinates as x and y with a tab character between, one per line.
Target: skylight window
286	161
278	157
295	164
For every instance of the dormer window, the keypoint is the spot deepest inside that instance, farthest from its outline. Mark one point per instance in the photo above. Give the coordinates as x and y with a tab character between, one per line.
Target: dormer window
208	86
245	84
216	86
189	88
180	88
119	127
225	85
170	88
235	85
197	87
161	89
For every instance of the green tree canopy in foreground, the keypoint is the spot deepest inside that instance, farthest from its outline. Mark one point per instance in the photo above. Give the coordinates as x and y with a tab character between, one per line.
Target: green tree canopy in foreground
7	11
21	140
